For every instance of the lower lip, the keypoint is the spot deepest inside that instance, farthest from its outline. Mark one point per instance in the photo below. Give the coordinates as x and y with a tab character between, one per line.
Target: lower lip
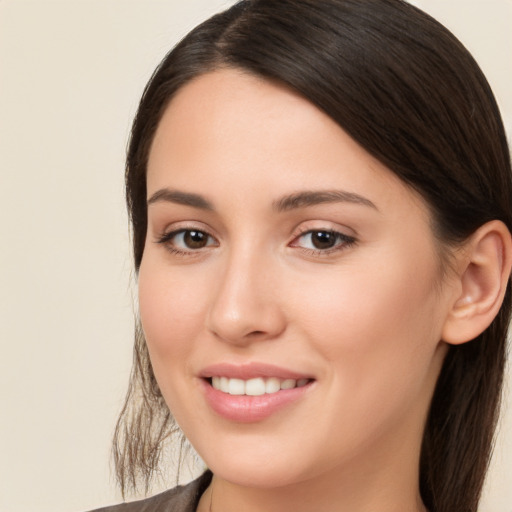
250	409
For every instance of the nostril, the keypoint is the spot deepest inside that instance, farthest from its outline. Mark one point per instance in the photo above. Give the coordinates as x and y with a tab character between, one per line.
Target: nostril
241	321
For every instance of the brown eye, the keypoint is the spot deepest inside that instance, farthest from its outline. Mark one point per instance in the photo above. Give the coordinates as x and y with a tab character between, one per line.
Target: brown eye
323	239
195	239
187	240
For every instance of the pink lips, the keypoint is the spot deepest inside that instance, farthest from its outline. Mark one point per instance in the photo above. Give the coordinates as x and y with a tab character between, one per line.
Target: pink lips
248	409
250	371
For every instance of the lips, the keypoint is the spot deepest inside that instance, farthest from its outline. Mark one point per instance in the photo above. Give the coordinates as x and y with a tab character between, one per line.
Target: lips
251	371
252	392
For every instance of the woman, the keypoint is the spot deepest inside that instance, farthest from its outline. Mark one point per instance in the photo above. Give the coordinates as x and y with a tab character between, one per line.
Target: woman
320	193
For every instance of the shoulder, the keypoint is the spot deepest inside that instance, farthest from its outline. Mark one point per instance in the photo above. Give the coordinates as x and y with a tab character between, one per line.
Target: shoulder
183	498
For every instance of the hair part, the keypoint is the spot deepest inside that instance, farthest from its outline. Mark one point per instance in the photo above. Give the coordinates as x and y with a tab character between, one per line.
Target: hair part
404	88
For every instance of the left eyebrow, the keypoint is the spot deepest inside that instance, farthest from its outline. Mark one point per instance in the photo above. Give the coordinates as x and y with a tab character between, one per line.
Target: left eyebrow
179	197
311	198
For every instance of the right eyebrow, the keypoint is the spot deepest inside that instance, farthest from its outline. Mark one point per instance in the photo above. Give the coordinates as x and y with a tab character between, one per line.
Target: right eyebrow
179	197
307	198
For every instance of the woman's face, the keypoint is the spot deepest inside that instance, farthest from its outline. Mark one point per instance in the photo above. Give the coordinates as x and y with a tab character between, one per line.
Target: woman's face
287	267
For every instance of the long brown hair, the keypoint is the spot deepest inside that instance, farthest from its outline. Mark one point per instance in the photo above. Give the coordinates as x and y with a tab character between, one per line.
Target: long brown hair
412	96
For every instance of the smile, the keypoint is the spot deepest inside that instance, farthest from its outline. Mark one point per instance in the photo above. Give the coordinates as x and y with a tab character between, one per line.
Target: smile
253	391
255	387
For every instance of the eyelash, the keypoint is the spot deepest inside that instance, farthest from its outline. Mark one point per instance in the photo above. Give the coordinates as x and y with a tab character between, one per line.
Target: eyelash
342	242
166	239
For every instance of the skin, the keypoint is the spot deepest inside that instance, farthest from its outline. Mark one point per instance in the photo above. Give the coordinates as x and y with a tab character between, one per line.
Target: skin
363	318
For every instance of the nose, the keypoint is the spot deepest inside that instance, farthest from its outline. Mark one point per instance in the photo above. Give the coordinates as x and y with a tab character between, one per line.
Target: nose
245	305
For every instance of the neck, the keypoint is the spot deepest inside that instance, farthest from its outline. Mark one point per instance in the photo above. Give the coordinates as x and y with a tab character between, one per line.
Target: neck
222	496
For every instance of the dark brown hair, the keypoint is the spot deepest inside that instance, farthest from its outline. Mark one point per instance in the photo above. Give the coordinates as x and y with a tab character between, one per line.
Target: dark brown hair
411	95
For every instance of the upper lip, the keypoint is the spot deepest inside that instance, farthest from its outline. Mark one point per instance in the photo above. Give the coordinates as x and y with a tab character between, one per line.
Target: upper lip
250	370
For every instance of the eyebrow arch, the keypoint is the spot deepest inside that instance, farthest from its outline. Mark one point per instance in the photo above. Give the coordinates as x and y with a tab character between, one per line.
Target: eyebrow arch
311	198
178	197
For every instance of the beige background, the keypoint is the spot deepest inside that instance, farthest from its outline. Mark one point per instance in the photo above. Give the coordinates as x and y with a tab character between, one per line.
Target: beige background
71	73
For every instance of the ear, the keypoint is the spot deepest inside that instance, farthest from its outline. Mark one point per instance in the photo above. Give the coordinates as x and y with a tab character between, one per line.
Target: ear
484	270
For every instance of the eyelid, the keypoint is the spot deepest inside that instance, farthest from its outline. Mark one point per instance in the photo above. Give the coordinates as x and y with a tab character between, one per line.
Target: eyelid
165	237
171	234
347	240
323	225
185	225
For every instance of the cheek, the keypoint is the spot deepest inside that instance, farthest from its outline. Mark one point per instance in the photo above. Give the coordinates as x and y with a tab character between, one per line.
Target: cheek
170	306
171	309
379	326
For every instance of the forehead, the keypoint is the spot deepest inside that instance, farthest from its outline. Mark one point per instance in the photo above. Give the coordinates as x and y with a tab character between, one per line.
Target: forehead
231	127
229	108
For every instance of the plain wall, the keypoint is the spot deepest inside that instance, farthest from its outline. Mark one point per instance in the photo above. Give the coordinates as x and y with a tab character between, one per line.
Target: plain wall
71	74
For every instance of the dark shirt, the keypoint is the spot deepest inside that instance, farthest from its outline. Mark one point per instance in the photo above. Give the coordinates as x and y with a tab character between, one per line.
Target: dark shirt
183	498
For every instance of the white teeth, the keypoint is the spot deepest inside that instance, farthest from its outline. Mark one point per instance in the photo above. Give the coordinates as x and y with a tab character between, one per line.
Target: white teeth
236	387
224	384
255	387
272	385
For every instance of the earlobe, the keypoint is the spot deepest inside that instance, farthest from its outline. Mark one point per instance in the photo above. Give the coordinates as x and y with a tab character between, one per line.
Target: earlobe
485	266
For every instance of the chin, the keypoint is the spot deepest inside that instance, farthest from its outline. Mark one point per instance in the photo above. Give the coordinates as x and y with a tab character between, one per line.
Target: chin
262	476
